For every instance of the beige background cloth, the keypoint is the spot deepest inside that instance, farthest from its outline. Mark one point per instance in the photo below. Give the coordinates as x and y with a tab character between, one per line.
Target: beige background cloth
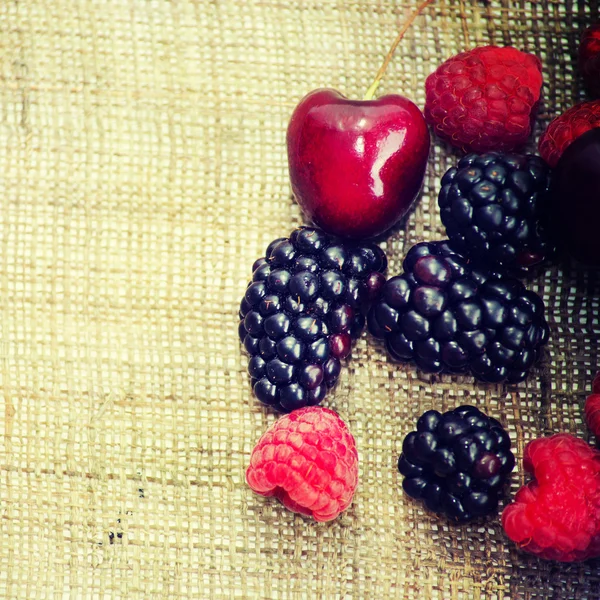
143	169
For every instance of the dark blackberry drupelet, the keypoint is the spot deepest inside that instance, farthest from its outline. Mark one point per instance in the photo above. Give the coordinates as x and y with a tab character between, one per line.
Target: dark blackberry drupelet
494	207
305	304
456	463
446	316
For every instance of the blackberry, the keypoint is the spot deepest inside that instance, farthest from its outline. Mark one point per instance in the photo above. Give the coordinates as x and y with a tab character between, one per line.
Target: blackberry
456	463
494	209
447	316
305	304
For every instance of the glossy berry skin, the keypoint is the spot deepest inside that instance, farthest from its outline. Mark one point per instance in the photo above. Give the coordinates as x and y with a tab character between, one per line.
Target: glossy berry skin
308	461
356	167
589	58
574	207
556	515
495	210
566	128
301	311
484	99
456	463
448	317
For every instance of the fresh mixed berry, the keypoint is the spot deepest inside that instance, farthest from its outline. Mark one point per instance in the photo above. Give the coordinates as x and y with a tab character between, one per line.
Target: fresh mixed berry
485	99
308	461
566	128
446	316
556	515
494	207
456	463
304	306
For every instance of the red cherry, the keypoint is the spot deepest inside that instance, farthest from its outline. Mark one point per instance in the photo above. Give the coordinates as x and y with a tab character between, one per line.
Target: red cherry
356	166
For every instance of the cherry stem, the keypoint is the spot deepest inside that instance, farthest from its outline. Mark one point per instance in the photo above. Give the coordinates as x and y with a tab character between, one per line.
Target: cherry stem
388	57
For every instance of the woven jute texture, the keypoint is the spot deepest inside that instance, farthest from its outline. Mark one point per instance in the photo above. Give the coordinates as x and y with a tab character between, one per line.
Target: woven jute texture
142	171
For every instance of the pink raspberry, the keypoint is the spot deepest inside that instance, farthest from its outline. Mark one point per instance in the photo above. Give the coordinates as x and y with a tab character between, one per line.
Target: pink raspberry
484	99
307	460
557	515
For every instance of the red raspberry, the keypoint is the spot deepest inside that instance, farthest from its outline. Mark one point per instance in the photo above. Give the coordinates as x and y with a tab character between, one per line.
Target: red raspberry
589	58
557	515
592	408
307	460
566	128
484	99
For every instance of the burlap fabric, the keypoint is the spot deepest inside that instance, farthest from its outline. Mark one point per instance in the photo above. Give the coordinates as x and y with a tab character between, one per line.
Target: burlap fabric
143	169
